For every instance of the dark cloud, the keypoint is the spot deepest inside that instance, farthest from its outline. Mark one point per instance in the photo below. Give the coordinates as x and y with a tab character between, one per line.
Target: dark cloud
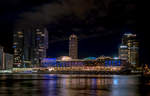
51	12
42	15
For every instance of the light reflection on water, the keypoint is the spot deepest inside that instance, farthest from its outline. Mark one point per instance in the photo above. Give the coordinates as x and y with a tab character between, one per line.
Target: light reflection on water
69	85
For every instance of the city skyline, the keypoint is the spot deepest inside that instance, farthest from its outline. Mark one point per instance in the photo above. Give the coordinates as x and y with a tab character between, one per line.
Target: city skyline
115	54
91	25
73	48
30	47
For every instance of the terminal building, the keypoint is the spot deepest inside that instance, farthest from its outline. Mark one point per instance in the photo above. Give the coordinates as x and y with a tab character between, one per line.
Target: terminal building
66	63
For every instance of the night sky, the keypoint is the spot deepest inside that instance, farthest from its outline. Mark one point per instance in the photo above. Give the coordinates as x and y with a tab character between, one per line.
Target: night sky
99	24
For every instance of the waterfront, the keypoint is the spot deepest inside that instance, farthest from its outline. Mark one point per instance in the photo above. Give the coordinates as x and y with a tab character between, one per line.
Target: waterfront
72	85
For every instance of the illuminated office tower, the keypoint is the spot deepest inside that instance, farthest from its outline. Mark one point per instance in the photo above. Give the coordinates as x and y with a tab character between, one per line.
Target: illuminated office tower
30	47
73	46
131	42
40	45
22	48
123	52
18	45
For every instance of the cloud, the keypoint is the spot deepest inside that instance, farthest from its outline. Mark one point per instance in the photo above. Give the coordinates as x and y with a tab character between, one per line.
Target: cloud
55	10
43	14
79	7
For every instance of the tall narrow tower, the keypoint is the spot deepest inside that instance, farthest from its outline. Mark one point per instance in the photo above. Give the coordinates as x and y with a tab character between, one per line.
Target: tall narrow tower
73	46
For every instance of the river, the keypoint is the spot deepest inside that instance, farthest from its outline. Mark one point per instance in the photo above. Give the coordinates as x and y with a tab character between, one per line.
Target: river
72	85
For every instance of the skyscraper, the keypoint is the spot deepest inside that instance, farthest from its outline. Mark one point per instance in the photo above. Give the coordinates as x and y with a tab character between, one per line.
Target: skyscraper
30	46
73	46
130	41
39	46
18	45
123	52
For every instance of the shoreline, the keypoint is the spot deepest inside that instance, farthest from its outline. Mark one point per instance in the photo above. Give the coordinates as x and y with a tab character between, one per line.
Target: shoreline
78	73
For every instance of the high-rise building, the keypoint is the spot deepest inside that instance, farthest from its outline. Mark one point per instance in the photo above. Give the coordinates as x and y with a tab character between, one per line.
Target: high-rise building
132	50
1	57
73	46
123	52
18	44
40	45
30	46
6	60
22	46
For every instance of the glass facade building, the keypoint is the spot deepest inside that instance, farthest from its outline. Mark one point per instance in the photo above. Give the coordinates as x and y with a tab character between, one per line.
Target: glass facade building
130	49
6	60
30	46
123	52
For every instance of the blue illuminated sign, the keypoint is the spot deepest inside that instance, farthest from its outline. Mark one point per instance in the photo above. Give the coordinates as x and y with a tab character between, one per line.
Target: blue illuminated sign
119	62
116	62
49	62
14	46
106	63
109	62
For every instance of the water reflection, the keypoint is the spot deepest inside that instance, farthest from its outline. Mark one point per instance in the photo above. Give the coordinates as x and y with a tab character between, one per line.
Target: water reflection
69	85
